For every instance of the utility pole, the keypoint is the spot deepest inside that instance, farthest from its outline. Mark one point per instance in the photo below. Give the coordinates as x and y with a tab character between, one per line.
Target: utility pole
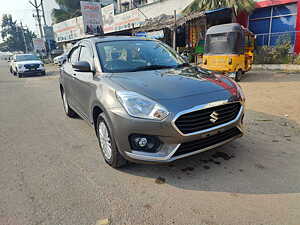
36	6
45	25
43	11
174	32
26	47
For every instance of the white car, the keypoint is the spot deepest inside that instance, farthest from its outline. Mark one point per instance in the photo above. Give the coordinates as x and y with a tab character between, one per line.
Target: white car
26	64
59	60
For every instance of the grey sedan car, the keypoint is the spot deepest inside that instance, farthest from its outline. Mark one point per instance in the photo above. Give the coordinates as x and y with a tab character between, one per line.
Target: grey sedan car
146	103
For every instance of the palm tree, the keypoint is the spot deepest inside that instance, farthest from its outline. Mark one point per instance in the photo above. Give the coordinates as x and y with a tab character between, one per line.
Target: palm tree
237	5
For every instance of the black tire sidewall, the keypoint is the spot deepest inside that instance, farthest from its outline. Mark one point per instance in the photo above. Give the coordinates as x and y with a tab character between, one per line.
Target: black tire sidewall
238	75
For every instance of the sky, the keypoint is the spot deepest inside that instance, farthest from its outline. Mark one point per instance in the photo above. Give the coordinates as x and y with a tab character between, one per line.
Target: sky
21	10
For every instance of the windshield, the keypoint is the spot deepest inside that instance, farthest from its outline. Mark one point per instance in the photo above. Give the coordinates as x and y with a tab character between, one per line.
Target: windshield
132	56
224	43
20	58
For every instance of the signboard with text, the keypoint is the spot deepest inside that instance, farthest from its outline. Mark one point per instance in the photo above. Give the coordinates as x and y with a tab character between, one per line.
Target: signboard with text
92	18
124	21
48	32
69	30
153	35
78	28
108	18
39	44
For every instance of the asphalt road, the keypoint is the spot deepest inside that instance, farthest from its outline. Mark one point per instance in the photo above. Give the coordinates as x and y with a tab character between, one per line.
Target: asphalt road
52	172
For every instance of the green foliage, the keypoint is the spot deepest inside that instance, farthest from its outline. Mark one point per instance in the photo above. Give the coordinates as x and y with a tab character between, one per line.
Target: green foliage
278	54
236	5
296	60
68	9
12	34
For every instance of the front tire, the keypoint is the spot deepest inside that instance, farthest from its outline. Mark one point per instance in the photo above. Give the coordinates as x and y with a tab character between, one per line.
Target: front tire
238	75
20	75
107	143
69	112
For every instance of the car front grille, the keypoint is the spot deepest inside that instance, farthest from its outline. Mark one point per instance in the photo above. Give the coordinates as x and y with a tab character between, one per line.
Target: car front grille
31	66
207	118
193	146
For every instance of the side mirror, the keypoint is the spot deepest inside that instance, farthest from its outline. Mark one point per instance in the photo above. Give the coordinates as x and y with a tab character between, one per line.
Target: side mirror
82	66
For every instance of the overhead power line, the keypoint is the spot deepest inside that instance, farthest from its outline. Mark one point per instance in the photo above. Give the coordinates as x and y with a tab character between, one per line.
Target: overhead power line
37	6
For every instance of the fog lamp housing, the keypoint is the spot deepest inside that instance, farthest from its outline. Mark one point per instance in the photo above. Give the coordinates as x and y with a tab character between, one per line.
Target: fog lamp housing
144	143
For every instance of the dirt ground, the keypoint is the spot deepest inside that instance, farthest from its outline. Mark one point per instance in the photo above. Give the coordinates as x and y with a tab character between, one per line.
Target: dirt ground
273	103
275	93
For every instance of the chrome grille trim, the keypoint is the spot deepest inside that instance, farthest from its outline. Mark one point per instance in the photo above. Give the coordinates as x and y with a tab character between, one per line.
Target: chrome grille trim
206	106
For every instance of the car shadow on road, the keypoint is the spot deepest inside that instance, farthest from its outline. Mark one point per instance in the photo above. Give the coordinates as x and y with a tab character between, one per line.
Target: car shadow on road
264	161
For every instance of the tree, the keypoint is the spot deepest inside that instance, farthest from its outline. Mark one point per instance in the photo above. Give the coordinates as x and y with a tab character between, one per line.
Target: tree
68	9
12	35
237	5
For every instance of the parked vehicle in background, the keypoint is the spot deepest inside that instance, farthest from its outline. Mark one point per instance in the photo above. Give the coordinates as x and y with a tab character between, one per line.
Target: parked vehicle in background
26	64
229	48
59	60
146	103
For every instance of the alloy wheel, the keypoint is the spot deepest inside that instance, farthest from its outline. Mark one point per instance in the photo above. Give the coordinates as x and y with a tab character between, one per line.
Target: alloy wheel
105	140
65	103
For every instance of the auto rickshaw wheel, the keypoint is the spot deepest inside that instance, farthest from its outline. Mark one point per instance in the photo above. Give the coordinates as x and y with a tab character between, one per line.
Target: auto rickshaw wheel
238	75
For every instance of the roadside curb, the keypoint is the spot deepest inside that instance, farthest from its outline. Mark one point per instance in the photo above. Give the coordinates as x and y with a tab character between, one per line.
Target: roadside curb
276	67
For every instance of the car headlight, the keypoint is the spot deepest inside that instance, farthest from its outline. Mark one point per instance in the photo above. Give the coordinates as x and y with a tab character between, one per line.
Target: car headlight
20	67
140	106
42	65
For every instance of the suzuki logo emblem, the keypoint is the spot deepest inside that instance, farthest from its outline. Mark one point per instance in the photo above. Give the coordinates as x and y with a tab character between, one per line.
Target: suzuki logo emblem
214	117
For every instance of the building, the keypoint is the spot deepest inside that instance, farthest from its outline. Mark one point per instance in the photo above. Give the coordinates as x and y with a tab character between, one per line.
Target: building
275	20
271	21
119	17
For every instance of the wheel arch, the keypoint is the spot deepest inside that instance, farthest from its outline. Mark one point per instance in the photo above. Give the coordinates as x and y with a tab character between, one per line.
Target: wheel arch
96	110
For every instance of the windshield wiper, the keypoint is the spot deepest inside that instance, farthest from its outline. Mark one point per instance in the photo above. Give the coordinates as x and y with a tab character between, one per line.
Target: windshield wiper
182	65
152	67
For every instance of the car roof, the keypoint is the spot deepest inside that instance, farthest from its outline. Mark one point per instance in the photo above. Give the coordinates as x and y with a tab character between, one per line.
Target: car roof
115	38
224	28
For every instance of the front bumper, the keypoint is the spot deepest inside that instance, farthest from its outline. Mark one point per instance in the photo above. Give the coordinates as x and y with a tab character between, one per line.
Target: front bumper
32	72
171	138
